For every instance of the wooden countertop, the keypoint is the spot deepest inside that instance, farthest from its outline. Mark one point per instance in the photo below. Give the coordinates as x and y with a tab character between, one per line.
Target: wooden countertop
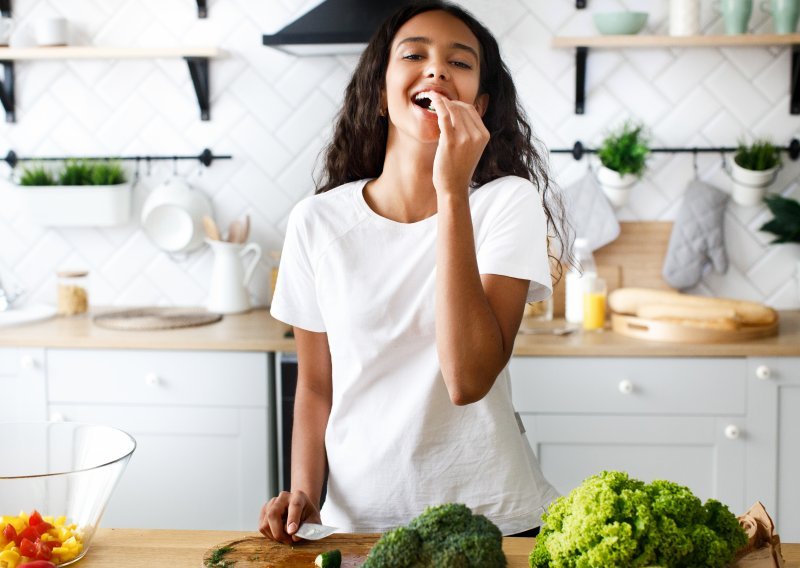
134	548
258	331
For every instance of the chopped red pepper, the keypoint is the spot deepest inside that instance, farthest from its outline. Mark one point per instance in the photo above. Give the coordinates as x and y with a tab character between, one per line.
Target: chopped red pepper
10	533
35	518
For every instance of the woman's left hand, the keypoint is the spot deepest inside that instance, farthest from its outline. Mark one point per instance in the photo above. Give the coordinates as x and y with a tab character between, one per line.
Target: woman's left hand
462	139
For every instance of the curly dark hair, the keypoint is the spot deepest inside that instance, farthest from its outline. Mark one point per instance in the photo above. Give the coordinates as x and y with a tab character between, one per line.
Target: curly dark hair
358	147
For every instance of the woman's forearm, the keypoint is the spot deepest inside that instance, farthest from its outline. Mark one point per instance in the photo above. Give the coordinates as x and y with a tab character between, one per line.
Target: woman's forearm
311	412
469	339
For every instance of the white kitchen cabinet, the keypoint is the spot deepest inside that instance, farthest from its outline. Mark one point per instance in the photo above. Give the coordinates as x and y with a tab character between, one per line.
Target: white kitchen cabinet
22	384
773	427
656	418
202	423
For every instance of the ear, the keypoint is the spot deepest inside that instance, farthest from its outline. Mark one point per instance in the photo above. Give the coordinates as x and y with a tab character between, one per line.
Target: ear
482	103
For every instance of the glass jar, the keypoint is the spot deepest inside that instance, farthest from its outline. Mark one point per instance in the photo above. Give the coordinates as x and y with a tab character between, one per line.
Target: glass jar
576	280
73	292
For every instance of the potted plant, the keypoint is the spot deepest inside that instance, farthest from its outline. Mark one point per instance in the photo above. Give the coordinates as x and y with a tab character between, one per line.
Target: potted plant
80	193
753	169
622	154
785	226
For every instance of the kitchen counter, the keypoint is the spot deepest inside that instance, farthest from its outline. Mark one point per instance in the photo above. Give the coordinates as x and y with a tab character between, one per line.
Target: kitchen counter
258	331
133	548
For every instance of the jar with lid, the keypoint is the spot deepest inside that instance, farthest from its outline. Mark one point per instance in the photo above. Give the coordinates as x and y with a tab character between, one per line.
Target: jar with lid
73	292
577	278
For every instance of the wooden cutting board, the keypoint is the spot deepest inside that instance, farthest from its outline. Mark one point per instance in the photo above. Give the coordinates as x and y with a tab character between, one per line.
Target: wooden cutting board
655	330
259	552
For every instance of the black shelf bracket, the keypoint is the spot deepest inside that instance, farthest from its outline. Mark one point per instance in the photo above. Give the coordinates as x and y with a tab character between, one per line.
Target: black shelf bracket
202	9
794	81
580	4
581	53
5	8
7	91
198	69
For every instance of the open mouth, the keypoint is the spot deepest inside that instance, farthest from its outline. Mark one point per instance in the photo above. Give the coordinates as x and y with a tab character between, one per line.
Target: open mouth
424	100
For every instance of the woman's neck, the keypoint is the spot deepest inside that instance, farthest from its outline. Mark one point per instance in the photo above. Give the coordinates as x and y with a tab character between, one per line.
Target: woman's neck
404	191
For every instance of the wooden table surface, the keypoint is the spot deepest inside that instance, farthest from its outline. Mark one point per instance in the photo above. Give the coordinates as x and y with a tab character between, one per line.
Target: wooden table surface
135	548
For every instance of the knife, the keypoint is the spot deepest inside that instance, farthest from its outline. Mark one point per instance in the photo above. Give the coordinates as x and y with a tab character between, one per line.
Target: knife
313	531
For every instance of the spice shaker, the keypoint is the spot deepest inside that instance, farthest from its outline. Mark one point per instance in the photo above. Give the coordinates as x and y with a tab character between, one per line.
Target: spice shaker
73	295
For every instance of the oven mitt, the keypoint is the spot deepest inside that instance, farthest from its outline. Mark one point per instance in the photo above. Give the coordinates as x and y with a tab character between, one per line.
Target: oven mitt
697	237
590	213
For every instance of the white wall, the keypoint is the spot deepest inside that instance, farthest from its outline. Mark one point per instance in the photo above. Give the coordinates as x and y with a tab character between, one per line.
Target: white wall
272	112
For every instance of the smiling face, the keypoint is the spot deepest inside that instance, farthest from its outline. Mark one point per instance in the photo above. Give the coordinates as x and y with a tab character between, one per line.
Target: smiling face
432	52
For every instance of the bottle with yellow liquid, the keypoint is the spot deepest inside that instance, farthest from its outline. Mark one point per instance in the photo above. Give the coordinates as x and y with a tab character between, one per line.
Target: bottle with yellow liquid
594	304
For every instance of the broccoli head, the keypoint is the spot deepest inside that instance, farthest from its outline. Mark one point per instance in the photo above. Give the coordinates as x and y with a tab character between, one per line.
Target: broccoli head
614	520
443	536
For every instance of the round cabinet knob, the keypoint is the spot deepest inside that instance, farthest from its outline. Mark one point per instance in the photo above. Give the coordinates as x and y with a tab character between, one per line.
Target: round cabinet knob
56	417
27	362
152	379
625	386
763	372
732	432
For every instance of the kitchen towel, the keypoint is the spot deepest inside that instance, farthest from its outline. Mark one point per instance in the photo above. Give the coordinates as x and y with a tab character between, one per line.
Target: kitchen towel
697	238
590	213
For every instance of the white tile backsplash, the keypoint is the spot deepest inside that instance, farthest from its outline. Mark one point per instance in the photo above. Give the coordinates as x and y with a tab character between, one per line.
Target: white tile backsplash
272	112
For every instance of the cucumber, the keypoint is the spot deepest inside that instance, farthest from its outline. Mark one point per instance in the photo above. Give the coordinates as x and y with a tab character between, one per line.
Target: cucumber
330	559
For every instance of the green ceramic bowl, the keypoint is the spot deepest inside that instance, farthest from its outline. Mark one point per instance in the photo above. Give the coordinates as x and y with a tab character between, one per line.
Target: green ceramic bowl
620	23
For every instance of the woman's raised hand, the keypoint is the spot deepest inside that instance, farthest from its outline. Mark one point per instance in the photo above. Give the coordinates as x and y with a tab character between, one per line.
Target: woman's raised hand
462	139
281	516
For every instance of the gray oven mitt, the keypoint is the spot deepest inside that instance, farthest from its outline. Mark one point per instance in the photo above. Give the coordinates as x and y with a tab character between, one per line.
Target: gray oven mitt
697	237
590	213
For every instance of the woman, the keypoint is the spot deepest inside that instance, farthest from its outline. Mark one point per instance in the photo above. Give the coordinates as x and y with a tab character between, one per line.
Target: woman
405	279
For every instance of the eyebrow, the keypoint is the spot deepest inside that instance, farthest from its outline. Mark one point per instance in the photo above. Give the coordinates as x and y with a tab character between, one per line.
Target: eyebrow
428	41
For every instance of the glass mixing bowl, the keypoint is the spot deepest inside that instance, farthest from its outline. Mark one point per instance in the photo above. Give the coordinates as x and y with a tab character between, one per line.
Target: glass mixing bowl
66	471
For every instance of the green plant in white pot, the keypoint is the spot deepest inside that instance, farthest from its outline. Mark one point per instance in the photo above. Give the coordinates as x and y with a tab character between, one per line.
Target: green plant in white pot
623	155
753	169
81	193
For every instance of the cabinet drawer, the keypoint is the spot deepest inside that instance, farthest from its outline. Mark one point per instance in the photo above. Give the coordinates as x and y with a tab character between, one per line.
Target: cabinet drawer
629	386
194	378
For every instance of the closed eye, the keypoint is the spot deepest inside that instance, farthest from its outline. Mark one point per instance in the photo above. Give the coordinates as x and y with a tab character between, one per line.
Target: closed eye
462	64
413	57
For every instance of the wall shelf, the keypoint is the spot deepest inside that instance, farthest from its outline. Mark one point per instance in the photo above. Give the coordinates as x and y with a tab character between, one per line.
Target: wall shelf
197	59
582	45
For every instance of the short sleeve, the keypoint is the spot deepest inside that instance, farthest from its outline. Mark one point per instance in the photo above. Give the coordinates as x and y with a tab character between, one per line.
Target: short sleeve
516	241
295	299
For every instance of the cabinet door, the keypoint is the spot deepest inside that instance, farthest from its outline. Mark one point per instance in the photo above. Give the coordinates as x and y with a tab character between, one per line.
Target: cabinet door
22	384
193	468
692	451
773	462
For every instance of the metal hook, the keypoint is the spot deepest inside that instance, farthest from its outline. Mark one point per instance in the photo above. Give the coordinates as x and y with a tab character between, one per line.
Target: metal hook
149	166
694	164
175	165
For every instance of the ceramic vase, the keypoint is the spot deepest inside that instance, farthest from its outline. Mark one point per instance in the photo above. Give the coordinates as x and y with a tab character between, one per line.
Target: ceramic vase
616	187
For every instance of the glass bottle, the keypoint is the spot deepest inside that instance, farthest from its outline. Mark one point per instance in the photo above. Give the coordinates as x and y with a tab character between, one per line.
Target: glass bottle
576	280
73	295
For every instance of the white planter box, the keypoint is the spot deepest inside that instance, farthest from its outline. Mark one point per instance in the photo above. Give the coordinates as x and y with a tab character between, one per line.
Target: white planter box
78	205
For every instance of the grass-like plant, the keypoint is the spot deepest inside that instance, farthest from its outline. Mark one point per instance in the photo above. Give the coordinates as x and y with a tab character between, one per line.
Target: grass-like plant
37	175
107	173
625	150
785	222
75	172
759	156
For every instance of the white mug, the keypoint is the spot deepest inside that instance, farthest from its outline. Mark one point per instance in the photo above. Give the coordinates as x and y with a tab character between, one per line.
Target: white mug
6	24
684	17
51	31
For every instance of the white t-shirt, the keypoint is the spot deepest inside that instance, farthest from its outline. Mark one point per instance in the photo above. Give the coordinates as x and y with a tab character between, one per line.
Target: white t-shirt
394	440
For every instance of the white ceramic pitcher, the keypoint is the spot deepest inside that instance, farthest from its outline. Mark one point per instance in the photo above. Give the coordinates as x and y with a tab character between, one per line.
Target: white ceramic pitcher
229	277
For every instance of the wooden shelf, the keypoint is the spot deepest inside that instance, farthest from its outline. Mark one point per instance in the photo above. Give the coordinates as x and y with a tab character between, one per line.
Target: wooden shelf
92	52
623	41
197	59
582	45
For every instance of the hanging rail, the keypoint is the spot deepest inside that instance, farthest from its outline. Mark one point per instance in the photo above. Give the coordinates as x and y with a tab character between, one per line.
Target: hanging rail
578	150
205	157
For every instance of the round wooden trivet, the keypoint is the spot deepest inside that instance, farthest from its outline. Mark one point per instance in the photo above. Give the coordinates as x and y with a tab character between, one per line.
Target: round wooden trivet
143	319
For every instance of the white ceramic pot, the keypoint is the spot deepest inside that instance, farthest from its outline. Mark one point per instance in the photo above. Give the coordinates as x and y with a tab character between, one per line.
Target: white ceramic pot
172	216
78	205
229	277
616	187
684	17
51	31
749	186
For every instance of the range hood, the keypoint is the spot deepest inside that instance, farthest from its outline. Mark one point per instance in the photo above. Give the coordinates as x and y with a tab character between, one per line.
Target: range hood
333	27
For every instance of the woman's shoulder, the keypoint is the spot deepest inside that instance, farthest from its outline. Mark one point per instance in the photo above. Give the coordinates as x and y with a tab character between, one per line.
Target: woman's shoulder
503	189
330	204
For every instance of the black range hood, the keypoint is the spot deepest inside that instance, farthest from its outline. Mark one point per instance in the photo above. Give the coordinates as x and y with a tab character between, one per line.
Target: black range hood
334	27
